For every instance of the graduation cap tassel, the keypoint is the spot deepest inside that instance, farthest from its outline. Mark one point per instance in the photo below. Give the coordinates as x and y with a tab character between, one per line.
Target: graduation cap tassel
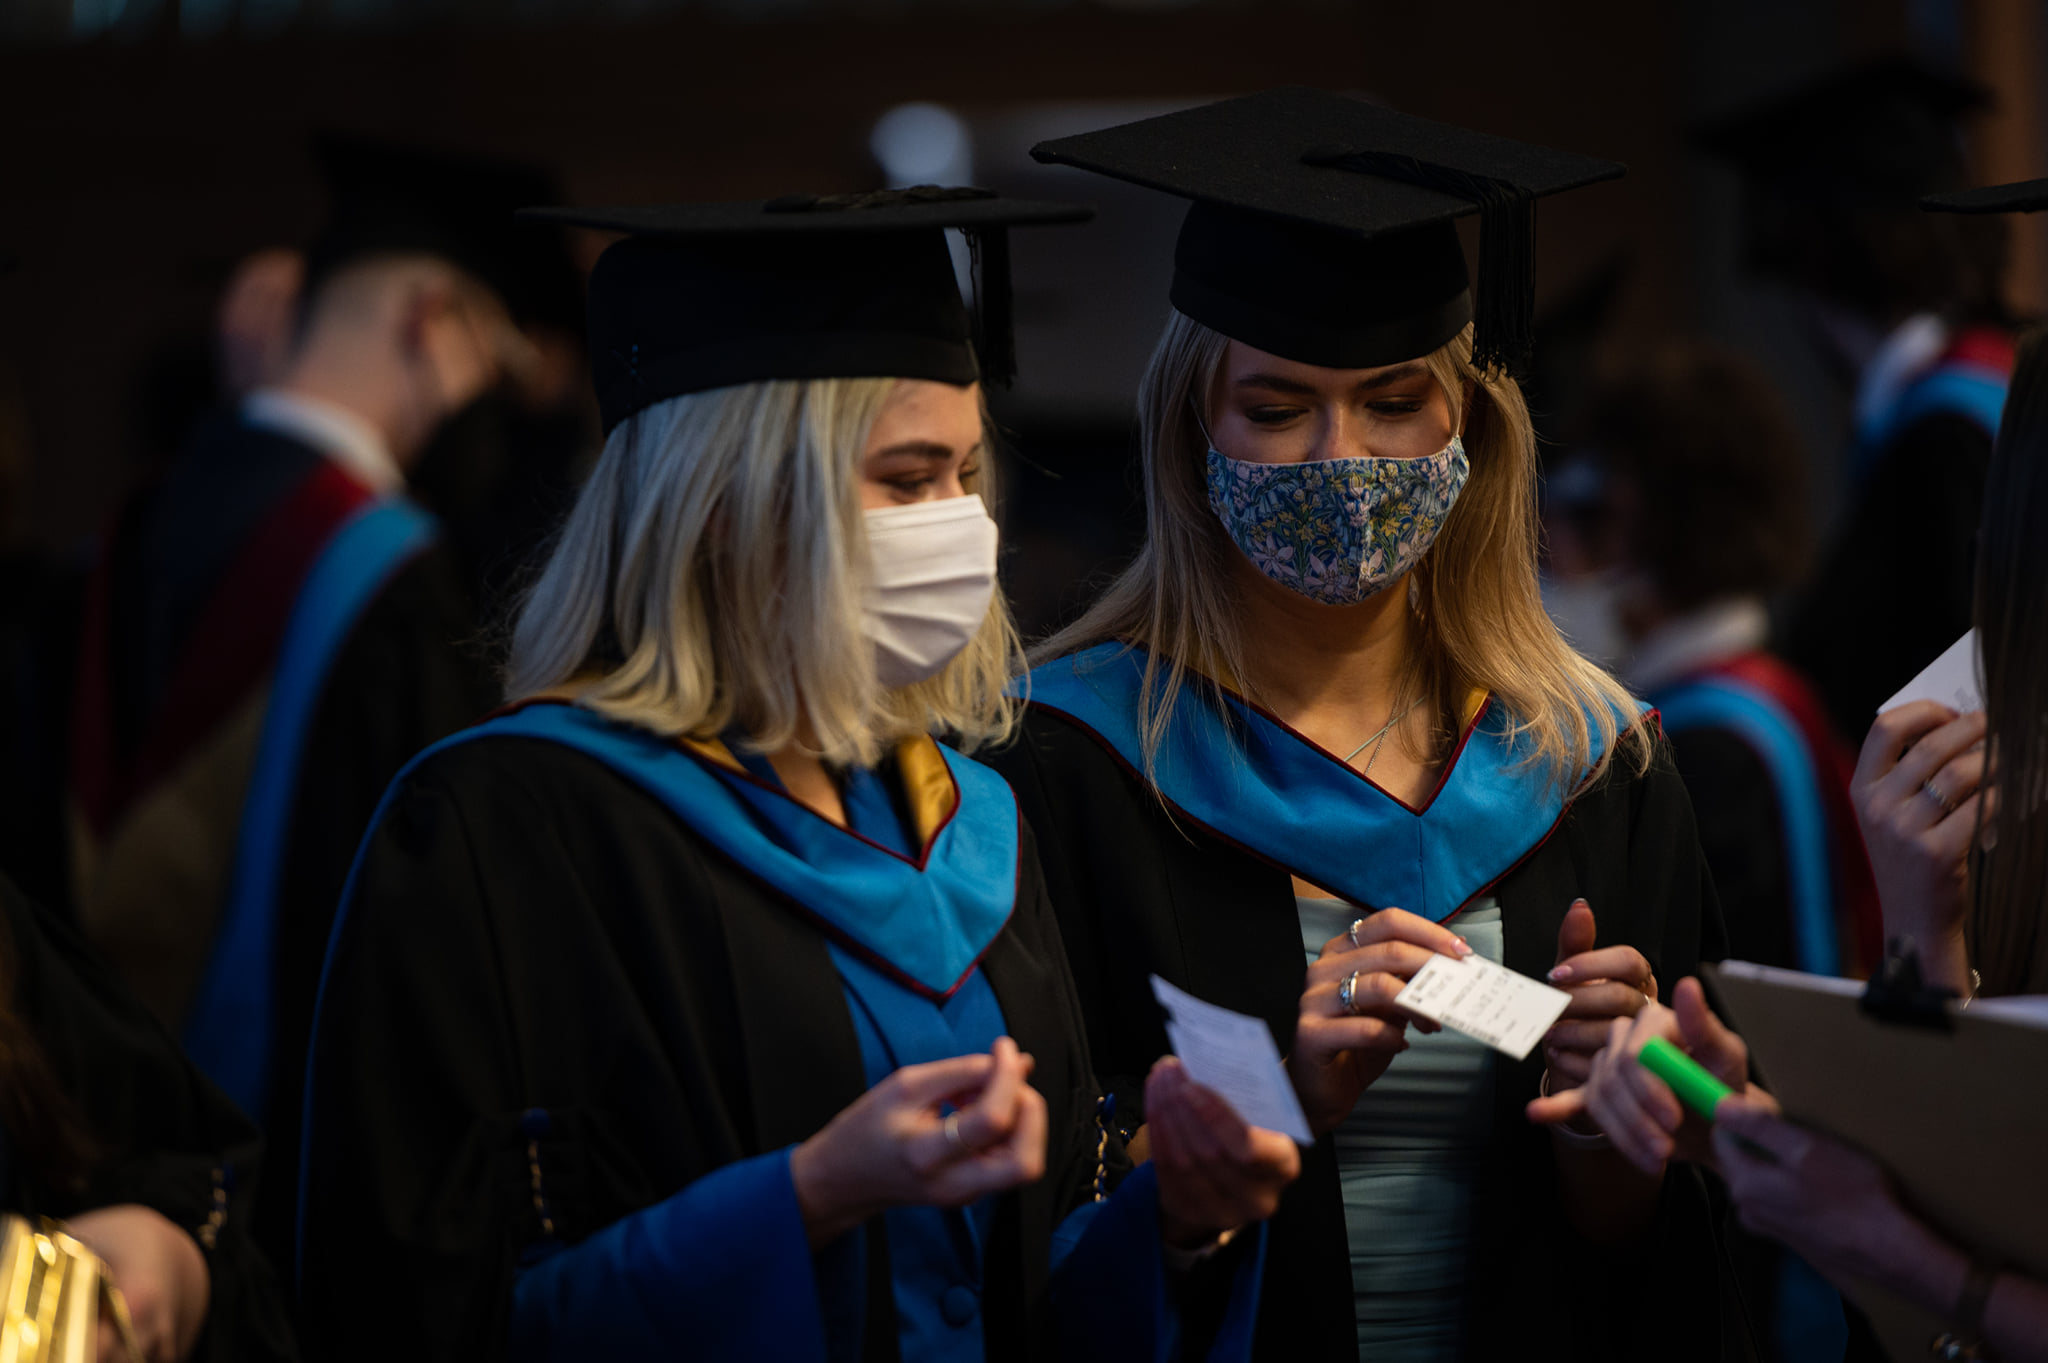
1503	330
1505	304
995	342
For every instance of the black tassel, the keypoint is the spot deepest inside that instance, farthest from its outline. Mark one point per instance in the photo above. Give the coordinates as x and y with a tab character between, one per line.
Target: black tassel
995	340
1504	303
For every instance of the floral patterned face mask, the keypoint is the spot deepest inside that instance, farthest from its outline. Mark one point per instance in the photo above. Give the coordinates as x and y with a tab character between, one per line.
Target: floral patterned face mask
1337	530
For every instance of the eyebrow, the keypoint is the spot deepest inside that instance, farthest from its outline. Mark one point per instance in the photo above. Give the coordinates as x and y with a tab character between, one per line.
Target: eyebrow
927	449
1386	378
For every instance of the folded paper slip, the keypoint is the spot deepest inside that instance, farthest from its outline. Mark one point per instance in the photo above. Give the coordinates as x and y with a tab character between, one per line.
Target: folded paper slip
1954	1106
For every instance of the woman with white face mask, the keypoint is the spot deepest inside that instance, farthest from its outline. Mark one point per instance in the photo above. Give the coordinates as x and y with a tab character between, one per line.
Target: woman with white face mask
1321	731
700	1001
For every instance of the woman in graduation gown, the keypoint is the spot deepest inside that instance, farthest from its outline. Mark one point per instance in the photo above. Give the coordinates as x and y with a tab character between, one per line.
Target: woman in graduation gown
106	1126
700	1002
1321	730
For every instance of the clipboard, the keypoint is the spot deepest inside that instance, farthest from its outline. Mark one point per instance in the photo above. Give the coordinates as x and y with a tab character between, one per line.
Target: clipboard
1952	1101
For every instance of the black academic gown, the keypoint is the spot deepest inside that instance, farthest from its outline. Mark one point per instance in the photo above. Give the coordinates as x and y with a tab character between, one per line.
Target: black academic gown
412	672
1742	837
1895	589
1140	890
166	1138
530	934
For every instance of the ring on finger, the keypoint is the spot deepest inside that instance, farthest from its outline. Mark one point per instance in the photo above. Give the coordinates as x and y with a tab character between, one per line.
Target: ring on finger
1934	793
954	1139
1352	931
1347	994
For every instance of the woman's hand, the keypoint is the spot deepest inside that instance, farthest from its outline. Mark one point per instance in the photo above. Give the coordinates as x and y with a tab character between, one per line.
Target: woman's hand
161	1274
1606	985
1338	1052
1634	1108
1215	1172
894	1146
1916	792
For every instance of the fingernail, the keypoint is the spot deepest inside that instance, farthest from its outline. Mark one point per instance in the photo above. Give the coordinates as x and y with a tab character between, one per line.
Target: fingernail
1580	903
1562	972
1464	948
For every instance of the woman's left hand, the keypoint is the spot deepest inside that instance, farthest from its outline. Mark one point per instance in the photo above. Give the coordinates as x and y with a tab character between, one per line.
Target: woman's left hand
1610	983
161	1274
1830	1202
1216	1173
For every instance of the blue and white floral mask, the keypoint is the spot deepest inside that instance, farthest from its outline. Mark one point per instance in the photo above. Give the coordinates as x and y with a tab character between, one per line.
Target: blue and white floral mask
1337	530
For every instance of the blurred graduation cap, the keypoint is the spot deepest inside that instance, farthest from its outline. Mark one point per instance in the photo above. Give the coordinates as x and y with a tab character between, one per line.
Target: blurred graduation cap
387	197
2021	196
701	296
1322	227
1887	127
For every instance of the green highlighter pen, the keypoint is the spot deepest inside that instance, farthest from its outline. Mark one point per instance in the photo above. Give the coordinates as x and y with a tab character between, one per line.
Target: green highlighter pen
1695	1088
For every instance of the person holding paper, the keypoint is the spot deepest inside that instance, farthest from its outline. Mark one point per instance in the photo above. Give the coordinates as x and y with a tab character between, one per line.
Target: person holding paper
1922	794
700	1001
1322	730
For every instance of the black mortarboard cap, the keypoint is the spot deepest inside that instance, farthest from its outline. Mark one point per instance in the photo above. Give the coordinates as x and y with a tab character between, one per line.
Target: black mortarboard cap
2021	196
702	296
1883	128
1322	226
387	197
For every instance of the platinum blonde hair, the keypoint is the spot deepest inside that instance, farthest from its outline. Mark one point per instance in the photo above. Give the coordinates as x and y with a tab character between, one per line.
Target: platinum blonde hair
1483	625
711	576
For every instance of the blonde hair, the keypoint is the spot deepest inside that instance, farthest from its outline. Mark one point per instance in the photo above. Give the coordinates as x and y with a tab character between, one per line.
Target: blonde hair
1483	625
711	576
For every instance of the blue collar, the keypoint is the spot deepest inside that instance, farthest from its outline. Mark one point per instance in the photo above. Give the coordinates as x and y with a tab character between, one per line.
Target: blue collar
1251	780
926	920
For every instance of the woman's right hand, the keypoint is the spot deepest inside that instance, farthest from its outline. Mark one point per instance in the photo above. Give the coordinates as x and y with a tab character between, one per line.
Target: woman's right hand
894	1146
1916	791
1635	1109
1338	1053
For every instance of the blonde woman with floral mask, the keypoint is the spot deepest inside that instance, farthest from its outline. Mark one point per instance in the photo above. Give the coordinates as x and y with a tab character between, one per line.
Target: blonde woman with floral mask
700	1003
1321	731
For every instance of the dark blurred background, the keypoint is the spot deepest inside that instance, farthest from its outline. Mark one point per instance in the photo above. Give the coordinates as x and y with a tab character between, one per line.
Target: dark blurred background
152	144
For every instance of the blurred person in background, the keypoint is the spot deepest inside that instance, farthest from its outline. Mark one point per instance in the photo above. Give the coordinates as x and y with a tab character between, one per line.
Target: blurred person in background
1321	730
1701	517
274	627
1962	869
104	1124
689	1005
1908	308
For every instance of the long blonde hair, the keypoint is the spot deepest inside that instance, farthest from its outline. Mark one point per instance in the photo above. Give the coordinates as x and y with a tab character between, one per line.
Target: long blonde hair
1483	625
711	576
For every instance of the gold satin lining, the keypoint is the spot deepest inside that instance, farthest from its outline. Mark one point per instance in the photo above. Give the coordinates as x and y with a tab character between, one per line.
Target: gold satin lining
927	786
1474	699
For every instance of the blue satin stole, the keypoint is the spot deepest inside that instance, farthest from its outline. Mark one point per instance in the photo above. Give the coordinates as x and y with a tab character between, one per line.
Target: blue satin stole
935	1254
923	919
1248	778
227	1030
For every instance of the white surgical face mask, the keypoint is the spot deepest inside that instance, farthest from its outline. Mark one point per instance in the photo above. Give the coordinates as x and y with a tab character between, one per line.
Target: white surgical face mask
934	573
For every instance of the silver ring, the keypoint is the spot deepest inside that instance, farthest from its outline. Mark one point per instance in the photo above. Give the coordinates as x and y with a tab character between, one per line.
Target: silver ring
1346	994
1933	792
1352	931
953	1136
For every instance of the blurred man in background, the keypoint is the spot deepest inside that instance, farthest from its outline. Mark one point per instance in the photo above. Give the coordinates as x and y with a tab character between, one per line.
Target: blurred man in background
1908	308
276	627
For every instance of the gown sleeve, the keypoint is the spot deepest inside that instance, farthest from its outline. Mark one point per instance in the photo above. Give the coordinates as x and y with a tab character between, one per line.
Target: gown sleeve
423	1189
162	1136
1742	836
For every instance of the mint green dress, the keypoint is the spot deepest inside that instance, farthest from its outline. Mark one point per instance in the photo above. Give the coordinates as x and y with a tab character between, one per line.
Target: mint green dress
1409	1158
